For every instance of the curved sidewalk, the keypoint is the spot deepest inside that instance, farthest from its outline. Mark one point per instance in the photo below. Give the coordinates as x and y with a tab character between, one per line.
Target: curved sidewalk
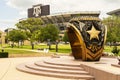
8	69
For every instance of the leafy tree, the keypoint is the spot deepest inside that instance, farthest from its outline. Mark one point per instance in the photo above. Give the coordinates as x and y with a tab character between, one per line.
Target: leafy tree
49	34
0	34
16	36
65	38
36	35
113	25
30	26
0	37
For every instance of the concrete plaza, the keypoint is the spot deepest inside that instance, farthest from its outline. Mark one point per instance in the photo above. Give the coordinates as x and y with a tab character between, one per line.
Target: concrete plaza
8	69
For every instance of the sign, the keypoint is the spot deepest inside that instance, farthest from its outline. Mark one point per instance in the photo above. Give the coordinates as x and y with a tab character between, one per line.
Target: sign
36	11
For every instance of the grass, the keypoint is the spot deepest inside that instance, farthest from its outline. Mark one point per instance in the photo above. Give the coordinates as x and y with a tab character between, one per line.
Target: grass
17	51
61	48
109	48
26	50
24	53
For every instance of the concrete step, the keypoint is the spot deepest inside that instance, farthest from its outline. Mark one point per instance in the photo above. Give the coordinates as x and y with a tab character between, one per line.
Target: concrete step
44	64
52	62
22	67
54	70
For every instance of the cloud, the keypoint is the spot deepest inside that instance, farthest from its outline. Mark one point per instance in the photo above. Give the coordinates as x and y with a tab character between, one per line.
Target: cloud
23	12
7	24
23	5
58	6
20	4
112	1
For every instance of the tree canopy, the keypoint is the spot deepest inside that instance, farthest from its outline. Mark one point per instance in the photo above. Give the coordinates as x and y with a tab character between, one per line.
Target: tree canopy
113	25
16	36
0	34
65	37
30	26
49	32
36	31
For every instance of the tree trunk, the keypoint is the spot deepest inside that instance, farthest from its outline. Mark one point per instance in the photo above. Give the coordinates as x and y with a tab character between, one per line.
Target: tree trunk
18	44
12	45
49	47
56	47
32	44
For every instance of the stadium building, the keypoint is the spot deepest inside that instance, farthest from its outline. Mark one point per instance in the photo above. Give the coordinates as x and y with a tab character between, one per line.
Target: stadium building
114	12
60	19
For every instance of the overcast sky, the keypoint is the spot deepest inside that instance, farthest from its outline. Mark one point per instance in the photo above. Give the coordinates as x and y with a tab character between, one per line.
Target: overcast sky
13	10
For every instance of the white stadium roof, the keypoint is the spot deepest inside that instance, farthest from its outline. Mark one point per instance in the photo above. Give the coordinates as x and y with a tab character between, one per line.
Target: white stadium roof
66	17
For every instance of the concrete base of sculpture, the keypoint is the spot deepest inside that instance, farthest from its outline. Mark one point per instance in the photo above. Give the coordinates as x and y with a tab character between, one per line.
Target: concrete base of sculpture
55	68
68	68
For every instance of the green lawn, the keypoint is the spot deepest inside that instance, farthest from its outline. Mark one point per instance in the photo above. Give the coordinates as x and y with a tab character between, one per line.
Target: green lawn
109	49
27	51
17	51
14	52
62	49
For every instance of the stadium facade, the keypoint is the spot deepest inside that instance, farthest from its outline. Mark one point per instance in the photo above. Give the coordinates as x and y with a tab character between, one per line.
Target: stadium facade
114	12
60	19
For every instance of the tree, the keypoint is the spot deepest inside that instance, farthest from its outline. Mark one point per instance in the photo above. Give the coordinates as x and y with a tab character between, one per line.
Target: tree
35	35
65	37
30	26
0	34
1	38
16	36
113	25
49	34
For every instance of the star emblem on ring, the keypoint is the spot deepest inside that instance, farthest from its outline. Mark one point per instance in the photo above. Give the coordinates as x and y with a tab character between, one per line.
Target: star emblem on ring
93	33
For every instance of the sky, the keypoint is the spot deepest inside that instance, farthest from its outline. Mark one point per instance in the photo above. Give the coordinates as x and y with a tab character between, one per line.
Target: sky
13	10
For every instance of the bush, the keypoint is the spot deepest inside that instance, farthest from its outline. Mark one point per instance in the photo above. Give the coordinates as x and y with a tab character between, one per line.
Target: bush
115	50
3	54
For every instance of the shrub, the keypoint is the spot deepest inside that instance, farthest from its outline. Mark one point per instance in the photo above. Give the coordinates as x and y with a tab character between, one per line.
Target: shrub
115	50
3	54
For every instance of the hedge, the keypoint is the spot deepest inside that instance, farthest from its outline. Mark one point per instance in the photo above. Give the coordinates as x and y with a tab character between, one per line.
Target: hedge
3	54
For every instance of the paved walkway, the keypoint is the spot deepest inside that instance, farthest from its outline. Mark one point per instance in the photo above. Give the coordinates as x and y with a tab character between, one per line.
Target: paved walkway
8	69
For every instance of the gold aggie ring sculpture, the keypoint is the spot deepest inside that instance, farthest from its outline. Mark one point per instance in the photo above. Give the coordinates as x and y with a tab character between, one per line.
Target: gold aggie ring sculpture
87	36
